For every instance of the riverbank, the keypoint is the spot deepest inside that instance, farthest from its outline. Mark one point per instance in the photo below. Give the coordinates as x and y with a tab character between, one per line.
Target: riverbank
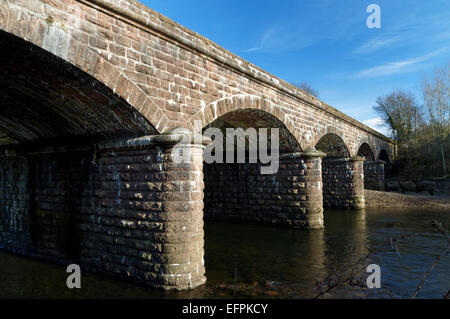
401	200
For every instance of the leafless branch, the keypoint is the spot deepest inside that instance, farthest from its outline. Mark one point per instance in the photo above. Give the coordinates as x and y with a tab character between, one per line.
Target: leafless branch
437	259
335	280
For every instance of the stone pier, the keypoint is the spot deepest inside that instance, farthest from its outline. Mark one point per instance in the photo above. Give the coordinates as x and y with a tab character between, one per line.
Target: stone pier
343	183
374	175
82	80
125	209
291	197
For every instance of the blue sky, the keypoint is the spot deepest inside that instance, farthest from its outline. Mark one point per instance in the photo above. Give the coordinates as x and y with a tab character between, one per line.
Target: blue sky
327	43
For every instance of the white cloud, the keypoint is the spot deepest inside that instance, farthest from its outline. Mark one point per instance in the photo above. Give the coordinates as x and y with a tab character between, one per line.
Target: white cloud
398	67
377	43
266	41
377	124
308	23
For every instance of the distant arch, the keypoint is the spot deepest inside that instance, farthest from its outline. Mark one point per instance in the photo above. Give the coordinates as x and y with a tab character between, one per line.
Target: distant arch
384	156
332	129
366	151
333	145
242	105
254	118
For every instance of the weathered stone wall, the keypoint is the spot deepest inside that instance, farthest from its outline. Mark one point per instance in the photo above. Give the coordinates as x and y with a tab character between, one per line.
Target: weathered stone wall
14	199
133	213
290	197
374	177
170	74
343	183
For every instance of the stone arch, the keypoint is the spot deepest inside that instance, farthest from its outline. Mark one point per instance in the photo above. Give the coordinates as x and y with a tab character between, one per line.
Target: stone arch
221	107
365	150
333	144
384	155
72	39
331	129
46	100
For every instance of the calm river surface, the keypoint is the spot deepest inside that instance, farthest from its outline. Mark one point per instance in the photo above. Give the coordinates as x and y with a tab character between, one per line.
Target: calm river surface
269	262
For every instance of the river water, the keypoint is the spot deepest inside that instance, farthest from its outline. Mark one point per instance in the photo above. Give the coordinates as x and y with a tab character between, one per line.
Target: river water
244	261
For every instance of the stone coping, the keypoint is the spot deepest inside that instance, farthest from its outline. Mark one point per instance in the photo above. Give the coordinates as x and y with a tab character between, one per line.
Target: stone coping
143	17
376	162
307	154
170	138
346	159
183	136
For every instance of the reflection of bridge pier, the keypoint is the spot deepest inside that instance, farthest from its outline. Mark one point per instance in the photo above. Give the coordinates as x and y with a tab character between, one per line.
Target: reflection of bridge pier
350	229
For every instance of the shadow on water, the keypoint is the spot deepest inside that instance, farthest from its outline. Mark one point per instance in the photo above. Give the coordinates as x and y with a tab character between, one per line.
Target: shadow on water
260	261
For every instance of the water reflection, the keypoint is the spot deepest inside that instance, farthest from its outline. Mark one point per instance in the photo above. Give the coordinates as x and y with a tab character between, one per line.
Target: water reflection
274	262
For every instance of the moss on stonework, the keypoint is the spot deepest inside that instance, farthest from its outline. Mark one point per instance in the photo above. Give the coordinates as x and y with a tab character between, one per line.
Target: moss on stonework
49	20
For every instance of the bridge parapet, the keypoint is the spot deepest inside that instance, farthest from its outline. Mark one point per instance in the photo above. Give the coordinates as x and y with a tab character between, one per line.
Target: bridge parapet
166	72
126	208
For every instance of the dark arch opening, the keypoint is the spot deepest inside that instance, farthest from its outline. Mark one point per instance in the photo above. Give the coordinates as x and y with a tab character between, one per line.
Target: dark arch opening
48	100
337	182
366	151
384	156
252	118
240	192
333	146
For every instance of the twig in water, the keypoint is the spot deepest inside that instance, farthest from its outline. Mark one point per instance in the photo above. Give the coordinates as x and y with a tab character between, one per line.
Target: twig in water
427	273
394	247
334	281
441	229
235	282
437	259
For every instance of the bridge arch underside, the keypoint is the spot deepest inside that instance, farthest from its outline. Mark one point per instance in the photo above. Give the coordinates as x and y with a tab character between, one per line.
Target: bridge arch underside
70	193
85	178
46	101
342	175
272	191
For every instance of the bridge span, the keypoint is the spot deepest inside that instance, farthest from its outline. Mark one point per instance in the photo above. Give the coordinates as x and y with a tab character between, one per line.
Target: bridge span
92	92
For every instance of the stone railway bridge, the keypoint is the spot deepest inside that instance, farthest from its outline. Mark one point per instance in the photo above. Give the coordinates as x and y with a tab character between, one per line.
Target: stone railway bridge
91	92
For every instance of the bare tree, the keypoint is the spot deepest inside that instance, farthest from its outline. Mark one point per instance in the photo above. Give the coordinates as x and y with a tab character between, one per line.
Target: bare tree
402	113
436	95
304	86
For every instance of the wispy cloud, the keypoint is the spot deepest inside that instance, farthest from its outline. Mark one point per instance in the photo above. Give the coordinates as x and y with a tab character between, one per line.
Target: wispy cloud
307	24
377	43
398	67
266	40
377	124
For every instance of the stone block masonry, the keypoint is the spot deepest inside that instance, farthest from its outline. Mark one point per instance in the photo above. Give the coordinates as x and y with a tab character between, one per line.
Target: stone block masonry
129	212
374	175
168	73
89	70
343	183
291	197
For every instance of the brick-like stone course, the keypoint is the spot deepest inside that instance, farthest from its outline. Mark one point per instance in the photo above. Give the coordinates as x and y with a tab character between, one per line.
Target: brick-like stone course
170	74
132	213
343	183
374	175
291	197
